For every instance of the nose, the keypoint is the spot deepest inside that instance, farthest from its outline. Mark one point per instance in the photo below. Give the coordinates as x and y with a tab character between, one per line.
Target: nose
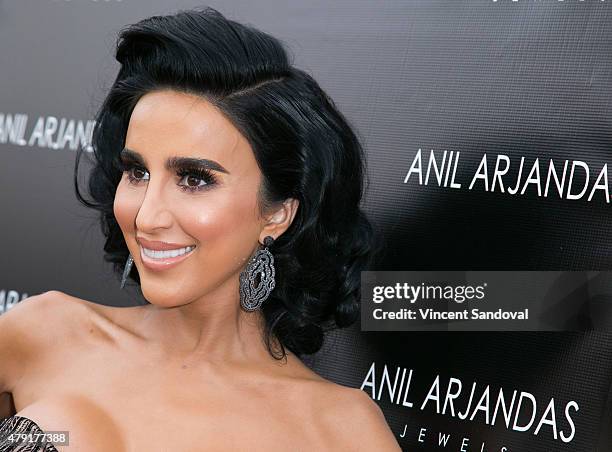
154	212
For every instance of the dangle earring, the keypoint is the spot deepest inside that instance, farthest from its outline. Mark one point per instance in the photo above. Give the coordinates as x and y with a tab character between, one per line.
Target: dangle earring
126	271
262	266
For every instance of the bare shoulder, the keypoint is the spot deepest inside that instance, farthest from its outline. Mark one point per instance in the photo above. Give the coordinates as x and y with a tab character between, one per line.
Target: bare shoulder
28	318
358	420
50	319
26	331
54	305
51	324
44	316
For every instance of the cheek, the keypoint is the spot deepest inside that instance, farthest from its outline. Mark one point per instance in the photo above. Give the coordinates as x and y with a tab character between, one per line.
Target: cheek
125	206
226	226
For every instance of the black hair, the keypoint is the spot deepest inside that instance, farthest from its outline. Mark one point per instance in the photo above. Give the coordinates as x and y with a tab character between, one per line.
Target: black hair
304	146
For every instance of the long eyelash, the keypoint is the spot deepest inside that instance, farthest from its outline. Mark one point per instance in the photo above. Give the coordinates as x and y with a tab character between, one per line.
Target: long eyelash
127	167
200	173
131	178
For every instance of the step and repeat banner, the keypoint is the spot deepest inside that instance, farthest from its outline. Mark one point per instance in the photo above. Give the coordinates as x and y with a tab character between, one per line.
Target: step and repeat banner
488	131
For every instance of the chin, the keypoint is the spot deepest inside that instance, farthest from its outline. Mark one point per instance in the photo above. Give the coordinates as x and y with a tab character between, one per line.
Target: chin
161	297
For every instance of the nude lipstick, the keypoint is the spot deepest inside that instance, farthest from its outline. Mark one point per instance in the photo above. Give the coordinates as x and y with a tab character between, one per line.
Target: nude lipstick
157	255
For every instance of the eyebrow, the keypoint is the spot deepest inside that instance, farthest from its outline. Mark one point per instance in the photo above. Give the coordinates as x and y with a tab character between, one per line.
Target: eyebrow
174	163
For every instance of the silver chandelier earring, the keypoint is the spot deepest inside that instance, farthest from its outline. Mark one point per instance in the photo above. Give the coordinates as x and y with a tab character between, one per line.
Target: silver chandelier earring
126	271
257	279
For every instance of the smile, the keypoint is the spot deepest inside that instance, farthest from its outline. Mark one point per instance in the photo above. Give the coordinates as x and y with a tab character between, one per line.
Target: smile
166	254
160	260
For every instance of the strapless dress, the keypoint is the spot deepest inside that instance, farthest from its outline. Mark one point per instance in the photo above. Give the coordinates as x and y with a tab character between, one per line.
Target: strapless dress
20	425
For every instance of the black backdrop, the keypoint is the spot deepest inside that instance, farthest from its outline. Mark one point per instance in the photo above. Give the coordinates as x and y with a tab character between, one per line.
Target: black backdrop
528	79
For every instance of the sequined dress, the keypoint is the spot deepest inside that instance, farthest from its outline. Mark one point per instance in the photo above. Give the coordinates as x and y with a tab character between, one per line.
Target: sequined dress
22	425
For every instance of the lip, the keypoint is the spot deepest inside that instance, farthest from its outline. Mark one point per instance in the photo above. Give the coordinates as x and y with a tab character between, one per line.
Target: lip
160	246
162	264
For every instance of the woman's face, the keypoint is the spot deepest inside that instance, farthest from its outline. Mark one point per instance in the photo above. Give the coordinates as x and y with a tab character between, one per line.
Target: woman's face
210	203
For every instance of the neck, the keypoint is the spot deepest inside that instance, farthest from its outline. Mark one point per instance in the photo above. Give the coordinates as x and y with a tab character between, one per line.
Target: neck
211	329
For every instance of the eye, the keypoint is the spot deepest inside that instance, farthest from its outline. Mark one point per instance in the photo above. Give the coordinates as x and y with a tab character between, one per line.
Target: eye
135	174
196	179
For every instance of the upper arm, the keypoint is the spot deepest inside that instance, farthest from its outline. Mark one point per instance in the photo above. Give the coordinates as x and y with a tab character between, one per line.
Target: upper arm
369	427
20	336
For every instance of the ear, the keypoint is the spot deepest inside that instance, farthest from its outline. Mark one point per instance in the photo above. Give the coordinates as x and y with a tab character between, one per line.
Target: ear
279	221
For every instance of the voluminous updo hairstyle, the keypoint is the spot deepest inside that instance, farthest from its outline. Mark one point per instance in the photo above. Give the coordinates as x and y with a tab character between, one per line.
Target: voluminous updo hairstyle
303	145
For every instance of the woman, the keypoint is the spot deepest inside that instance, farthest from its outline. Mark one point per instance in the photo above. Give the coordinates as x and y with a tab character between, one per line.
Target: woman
229	189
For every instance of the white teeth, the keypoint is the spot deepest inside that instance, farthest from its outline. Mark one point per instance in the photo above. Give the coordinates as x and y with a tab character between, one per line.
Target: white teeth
154	254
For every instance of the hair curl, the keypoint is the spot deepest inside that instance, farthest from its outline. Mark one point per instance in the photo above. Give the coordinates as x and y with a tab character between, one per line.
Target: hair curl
304	146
